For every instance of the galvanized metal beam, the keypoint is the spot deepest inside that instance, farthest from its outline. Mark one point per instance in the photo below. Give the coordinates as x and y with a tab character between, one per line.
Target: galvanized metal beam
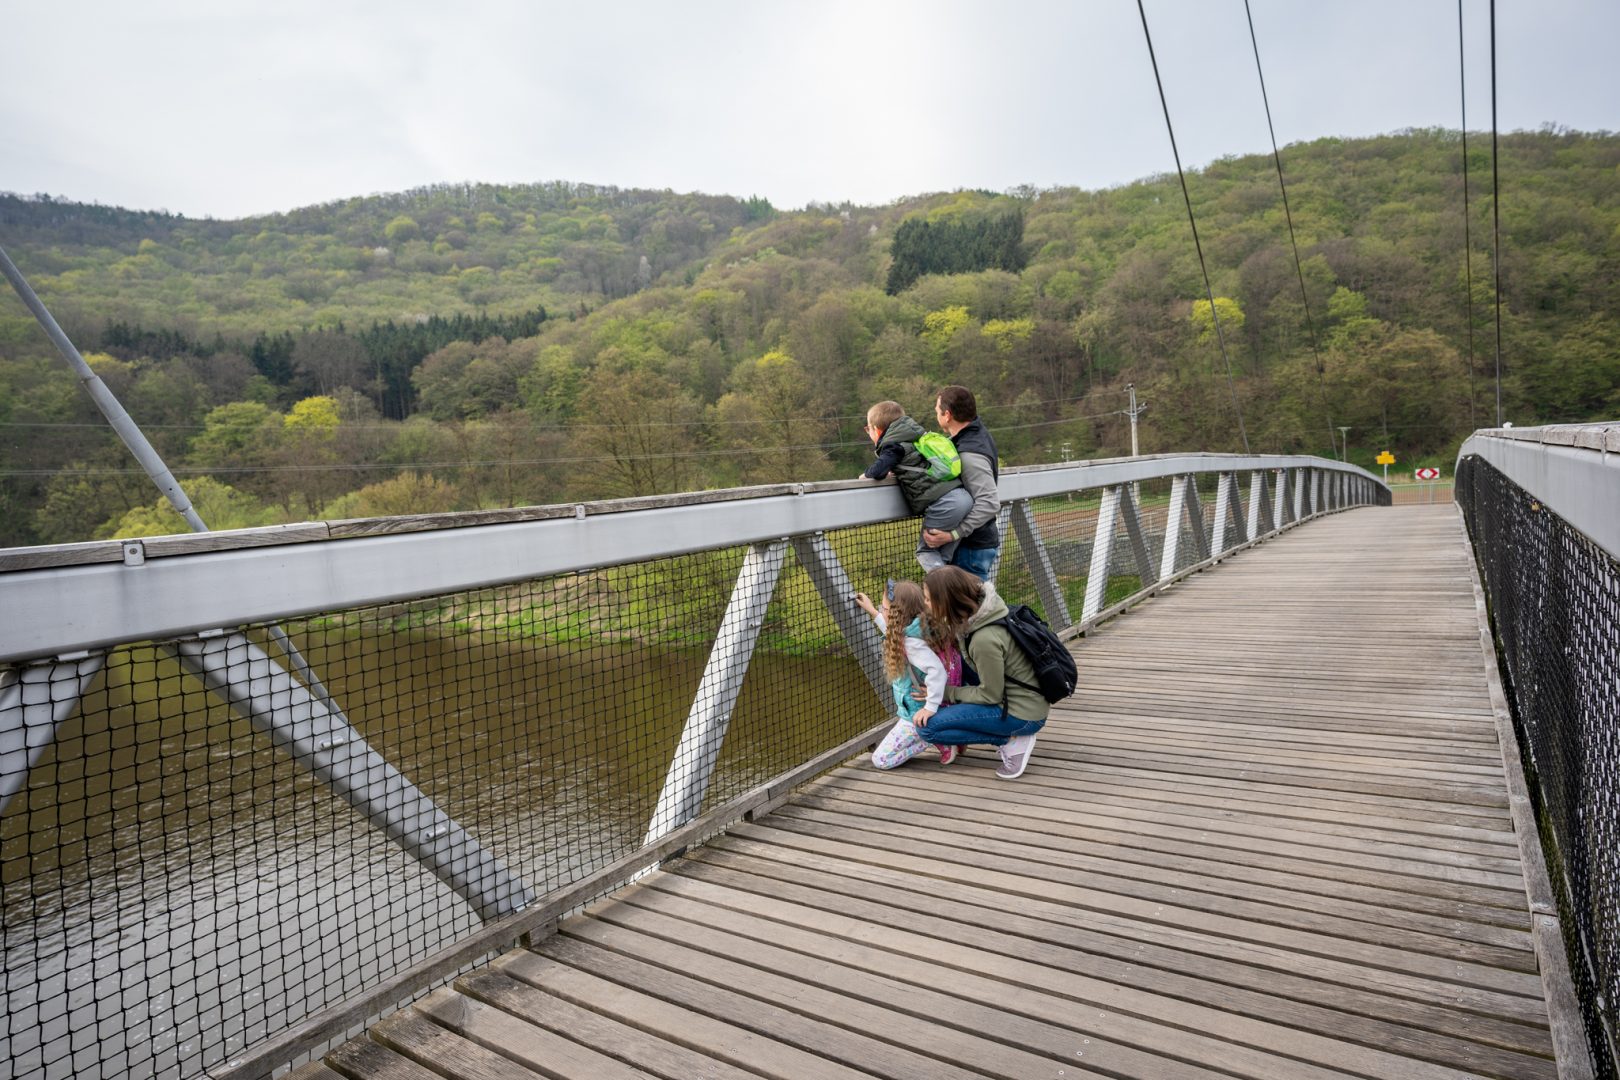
1228	511
1102	553
72	608
837	593
1261	519
1573	471
278	706
1195	521
1145	570
692	767
34	701
1047	587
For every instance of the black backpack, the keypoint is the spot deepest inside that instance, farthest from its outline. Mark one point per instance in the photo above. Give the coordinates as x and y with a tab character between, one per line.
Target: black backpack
1054	667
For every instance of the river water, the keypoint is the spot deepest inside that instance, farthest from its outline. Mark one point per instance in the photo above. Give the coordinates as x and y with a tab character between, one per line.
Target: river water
174	889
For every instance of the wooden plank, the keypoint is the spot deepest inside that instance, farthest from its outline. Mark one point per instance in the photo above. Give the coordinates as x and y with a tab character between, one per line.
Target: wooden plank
362	1059
1188	1030
526	1044
742	1047
1362	990
413	1035
1203	914
660	1057
931	1023
1451	1038
315	1070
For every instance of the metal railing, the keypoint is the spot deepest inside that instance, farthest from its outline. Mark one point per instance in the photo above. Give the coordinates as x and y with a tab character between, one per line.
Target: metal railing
1542	507
205	866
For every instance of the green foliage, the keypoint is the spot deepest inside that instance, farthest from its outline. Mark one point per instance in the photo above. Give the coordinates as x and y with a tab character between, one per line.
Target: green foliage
956	246
536	342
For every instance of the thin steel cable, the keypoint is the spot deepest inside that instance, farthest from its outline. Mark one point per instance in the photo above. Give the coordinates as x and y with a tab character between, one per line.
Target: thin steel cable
1496	220
1468	241
1220	336
1276	156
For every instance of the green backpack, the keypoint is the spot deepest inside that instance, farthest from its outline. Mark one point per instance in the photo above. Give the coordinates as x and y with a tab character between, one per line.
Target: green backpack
940	456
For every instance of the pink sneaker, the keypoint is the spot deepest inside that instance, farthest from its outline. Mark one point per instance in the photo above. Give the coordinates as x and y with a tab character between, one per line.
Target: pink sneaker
948	754
1015	757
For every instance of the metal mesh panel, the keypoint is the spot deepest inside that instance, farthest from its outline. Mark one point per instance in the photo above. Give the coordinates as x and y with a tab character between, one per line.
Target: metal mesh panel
1555	610
176	887
203	854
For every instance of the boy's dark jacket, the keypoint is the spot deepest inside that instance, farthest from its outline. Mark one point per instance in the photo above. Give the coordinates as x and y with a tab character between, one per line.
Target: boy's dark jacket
897	453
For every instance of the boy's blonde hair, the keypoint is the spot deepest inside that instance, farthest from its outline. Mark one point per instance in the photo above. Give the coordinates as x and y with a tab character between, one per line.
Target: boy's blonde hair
884	413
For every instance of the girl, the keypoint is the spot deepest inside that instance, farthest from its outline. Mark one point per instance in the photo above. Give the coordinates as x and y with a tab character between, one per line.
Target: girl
1005	709
909	655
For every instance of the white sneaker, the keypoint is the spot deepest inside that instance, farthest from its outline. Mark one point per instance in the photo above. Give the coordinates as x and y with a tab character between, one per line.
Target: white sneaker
1015	756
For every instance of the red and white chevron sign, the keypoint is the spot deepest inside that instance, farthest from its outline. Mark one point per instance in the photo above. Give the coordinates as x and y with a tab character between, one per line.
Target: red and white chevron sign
1426	474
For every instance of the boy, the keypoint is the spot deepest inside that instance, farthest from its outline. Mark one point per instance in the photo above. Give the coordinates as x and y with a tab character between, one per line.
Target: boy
943	503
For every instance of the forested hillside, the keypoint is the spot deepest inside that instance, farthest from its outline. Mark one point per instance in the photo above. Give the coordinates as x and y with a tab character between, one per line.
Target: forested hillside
474	345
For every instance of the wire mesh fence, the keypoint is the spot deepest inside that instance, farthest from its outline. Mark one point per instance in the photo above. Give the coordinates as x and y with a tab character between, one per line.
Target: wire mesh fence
1555	610
206	853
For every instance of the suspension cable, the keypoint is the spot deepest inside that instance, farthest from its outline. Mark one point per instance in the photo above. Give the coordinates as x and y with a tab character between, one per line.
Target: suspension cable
1310	325
1220	336
1468	243
1496	219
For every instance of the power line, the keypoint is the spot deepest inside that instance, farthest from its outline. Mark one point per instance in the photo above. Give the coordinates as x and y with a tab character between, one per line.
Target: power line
1468	243
1310	325
208	470
1496	219
1220	336
566	426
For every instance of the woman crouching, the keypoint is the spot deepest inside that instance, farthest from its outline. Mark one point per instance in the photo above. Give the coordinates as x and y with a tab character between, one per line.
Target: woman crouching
1005	709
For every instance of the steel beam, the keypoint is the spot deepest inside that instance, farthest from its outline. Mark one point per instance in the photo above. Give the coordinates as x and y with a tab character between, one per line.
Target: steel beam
692	767
1145	569
278	706
1102	553
1577	477
1047	586
1261	520
1195	519
837	592
34	701
1228	510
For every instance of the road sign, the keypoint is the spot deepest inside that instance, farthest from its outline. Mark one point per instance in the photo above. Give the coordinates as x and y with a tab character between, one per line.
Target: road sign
1385	458
1426	474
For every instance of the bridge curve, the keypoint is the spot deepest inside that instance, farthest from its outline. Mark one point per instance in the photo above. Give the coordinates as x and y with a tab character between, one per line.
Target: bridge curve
1270	836
1276	832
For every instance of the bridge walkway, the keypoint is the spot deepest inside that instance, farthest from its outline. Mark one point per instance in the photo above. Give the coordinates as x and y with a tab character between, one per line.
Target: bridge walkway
1269	837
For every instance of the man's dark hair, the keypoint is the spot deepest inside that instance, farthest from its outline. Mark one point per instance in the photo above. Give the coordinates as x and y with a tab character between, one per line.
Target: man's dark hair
958	401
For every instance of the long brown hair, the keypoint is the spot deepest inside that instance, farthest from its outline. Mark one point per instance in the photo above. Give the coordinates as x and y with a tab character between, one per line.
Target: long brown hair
905	605
953	596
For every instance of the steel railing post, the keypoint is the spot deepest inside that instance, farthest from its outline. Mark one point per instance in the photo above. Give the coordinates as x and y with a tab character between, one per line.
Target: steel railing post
692	766
837	593
1047	586
265	694
1102	553
34	701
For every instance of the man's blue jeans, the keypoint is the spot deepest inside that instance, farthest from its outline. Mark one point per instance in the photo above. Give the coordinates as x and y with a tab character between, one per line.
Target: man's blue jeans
961	725
976	561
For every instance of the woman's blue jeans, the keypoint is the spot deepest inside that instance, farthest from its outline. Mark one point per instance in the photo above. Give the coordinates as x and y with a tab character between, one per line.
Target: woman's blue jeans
962	725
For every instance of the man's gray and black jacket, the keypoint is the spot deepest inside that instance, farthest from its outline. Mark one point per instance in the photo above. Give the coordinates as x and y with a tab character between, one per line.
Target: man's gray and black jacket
981	470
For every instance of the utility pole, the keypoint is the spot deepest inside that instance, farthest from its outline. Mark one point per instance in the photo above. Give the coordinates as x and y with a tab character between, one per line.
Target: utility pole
1133	413
1344	435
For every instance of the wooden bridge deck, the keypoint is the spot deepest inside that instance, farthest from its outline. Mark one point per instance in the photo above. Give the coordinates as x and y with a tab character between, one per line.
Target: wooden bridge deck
1269	837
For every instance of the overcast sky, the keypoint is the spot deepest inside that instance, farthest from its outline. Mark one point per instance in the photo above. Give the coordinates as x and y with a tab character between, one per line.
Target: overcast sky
235	107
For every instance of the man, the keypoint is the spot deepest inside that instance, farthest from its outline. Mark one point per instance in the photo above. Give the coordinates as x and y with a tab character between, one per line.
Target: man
958	416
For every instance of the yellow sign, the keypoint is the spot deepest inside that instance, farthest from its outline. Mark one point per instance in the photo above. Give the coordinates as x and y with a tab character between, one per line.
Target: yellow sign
1385	458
